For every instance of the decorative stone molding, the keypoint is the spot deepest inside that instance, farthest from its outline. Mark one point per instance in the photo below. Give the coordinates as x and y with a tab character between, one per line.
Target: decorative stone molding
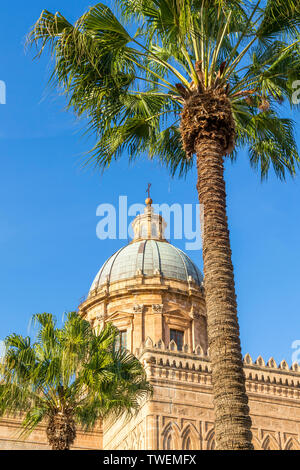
171	364
161	345
157	308
100	317
138	308
177	319
196	315
148	343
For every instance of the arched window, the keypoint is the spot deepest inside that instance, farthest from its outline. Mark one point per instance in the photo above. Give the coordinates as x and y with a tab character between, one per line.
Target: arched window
121	340
154	230
144	230
177	336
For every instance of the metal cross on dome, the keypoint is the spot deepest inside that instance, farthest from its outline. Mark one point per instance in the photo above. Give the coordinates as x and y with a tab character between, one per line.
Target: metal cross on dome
148	189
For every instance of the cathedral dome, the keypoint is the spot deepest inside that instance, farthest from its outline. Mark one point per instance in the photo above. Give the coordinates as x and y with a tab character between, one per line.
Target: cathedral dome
149	254
149	258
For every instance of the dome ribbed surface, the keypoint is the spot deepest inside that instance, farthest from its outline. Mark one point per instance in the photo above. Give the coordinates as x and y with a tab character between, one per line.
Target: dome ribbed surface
148	257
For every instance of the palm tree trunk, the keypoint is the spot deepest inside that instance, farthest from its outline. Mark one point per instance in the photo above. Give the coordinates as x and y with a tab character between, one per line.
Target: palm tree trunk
232	420
61	431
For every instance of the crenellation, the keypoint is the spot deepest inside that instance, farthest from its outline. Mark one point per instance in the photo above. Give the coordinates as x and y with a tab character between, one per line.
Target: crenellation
248	359
197	370
260	362
272	363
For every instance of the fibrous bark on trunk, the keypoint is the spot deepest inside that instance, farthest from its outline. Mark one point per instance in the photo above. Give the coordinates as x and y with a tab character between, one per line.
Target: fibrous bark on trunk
61	430
232	421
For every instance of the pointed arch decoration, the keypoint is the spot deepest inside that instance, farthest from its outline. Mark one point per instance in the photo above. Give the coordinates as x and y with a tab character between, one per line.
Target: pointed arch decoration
210	438
169	442
141	442
187	444
269	443
292	444
213	445
170	437
134	441
256	443
190	438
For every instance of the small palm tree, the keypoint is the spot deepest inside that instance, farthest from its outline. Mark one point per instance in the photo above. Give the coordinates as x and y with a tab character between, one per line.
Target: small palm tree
70	375
195	81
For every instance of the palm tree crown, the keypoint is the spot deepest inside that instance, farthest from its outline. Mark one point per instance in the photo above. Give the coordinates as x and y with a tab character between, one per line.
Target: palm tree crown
68	375
133	86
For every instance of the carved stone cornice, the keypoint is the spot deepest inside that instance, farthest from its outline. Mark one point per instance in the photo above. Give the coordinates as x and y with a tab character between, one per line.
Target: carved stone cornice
196	315
100	317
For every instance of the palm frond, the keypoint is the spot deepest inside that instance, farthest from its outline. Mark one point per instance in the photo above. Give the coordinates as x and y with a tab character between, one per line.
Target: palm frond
132	86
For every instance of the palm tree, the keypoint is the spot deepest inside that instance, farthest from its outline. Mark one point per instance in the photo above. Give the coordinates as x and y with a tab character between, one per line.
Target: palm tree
189	81
70	375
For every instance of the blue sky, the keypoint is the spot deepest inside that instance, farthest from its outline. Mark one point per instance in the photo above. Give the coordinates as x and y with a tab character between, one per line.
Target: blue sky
49	251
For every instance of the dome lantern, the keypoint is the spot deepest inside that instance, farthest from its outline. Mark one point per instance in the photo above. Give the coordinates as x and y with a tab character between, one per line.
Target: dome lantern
148	226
